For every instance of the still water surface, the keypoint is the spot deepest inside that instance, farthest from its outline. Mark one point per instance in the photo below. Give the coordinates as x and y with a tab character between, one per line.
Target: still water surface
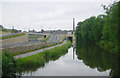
69	65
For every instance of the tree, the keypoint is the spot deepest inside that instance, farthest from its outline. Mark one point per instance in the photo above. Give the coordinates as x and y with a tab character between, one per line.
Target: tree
111	30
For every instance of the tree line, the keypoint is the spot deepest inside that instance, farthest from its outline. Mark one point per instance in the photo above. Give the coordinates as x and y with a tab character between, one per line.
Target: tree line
104	30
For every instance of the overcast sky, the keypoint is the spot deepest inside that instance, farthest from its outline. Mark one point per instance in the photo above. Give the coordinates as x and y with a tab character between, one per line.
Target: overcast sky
54	14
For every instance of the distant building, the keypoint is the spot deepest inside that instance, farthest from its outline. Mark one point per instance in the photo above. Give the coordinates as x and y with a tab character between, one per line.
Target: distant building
32	31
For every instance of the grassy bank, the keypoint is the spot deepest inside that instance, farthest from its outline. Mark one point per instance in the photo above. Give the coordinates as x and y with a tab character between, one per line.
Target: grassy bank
22	50
41	47
40	59
13	36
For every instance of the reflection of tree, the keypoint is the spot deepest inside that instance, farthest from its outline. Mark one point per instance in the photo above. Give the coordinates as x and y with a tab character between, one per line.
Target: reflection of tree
95	57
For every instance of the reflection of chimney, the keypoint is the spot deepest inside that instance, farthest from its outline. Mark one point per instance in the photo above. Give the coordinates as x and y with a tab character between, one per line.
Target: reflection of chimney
73	25
73	52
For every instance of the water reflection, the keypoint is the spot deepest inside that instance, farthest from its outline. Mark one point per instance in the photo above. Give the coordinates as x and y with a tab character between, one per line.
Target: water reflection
95	57
66	66
73	52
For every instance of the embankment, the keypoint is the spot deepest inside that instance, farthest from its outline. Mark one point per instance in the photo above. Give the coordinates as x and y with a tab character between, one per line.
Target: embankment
38	60
20	38
32	62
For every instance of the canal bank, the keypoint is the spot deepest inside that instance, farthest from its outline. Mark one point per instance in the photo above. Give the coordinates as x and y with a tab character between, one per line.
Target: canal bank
39	59
84	60
31	62
32	52
67	65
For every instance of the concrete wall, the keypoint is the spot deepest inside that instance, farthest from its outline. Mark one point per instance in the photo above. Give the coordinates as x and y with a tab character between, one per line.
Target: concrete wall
14	40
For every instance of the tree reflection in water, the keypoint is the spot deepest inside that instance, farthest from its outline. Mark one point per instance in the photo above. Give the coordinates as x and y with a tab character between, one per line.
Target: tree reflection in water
95	57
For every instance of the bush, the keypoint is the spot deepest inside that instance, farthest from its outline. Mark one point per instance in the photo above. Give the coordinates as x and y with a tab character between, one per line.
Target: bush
8	65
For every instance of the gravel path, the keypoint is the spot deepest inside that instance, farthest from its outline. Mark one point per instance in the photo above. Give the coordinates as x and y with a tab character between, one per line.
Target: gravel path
37	51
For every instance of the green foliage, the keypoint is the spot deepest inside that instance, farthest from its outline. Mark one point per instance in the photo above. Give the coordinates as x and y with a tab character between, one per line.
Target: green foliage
96	30
86	28
103	29
30	62
8	65
111	28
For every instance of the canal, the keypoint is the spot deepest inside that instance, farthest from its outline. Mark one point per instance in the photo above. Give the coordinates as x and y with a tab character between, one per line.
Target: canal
85	60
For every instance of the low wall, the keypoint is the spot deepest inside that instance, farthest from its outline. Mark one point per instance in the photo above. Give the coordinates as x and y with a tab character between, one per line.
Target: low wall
14	40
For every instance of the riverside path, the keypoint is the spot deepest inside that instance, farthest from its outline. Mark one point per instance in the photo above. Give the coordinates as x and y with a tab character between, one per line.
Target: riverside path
38	51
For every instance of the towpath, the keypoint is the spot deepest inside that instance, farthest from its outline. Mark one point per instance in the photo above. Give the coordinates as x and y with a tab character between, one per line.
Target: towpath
37	51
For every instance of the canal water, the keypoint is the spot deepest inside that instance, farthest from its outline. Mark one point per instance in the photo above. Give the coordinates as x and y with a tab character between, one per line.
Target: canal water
82	61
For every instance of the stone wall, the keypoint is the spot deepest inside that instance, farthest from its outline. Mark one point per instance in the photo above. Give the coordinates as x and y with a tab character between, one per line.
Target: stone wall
14	40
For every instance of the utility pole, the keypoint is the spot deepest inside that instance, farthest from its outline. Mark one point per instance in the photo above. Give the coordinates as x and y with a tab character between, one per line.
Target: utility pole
73	52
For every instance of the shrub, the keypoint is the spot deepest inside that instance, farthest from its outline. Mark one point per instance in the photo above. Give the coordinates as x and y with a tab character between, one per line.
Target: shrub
8	65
